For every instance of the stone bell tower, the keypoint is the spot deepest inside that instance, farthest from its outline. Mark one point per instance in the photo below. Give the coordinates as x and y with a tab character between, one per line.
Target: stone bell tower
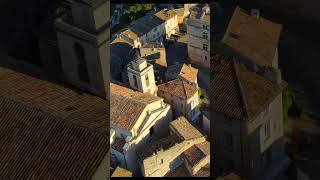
83	35
141	76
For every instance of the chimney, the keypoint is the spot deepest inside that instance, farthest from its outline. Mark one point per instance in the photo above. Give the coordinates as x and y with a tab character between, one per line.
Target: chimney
256	13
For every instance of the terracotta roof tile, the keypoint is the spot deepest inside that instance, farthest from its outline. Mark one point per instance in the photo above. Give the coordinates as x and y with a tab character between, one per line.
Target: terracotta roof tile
197	152
256	39
193	155
179	88
166	15
127	105
37	145
164	144
118	144
184	129
66	103
180	171
185	71
239	92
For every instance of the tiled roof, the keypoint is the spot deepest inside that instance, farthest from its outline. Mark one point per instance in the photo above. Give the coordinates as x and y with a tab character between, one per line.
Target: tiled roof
165	14
197	152
132	35
145	24
153	45
182	171
118	144
157	57
239	92
127	105
184	129
153	147
185	71
66	103
37	145
198	13
204	147
193	155
204	171
121	172
256	39
179	88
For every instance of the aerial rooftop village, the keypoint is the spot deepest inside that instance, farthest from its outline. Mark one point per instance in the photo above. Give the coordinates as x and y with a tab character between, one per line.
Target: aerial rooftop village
158	127
54	115
168	97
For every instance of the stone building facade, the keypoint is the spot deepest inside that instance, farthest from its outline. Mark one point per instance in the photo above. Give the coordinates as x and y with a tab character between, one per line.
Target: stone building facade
183	97
141	76
136	118
82	34
198	32
249	131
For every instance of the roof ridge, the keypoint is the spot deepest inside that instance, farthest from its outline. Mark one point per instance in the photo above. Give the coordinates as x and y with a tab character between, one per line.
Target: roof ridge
236	73
184	89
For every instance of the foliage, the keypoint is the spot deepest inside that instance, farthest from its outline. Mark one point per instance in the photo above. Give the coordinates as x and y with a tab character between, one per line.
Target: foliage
287	102
136	11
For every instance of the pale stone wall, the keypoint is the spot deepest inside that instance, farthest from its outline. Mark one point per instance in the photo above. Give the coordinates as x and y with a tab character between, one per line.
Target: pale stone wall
274	117
180	106
94	60
195	41
86	20
159	164
141	79
171	26
224	154
158	118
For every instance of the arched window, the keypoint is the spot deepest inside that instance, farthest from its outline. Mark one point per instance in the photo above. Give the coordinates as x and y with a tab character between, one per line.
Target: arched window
82	65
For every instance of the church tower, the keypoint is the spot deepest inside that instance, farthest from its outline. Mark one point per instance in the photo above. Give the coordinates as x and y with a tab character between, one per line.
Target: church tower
141	76
83	35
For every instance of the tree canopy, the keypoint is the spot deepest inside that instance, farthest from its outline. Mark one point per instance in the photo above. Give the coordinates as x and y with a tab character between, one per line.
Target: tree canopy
136	11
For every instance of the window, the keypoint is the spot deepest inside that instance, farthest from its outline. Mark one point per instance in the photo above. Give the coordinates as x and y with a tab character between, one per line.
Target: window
161	161
151	131
205	47
82	65
205	27
147	80
135	81
205	58
265	131
205	35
